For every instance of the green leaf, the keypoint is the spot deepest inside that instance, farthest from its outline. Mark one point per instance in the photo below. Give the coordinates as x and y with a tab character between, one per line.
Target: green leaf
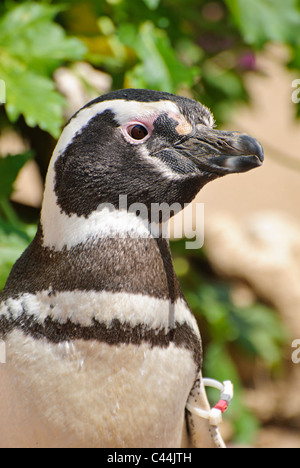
10	166
32	46
13	242
159	66
26	15
261	21
152	4
34	96
29	35
260	332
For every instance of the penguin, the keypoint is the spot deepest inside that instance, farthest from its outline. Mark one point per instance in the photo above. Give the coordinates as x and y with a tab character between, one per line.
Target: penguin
102	349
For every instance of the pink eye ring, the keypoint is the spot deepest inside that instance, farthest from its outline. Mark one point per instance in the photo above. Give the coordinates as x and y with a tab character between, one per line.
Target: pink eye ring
137	132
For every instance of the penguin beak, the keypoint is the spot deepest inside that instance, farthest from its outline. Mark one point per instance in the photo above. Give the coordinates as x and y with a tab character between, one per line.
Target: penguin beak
222	152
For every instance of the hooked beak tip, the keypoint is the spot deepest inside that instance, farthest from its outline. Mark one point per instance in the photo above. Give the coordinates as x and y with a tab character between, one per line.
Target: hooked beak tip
250	146
247	154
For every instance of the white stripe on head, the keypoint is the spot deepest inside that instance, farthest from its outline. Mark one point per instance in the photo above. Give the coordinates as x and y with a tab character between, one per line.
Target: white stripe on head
124	111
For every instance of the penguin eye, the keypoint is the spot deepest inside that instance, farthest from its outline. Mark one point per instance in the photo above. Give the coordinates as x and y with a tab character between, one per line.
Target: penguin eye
137	132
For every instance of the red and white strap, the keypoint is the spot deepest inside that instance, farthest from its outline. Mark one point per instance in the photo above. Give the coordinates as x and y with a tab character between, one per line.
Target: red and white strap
215	414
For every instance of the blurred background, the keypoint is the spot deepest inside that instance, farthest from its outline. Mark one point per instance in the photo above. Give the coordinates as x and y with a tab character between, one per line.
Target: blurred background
238	57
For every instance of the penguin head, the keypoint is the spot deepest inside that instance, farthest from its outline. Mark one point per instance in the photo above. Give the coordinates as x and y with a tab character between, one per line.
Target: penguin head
144	144
149	146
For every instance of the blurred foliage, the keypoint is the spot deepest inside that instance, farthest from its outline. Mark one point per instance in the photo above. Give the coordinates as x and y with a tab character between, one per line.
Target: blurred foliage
32	46
14	235
199	48
254	332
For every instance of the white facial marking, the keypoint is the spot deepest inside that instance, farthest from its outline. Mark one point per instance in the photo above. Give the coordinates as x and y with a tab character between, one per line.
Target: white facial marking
124	111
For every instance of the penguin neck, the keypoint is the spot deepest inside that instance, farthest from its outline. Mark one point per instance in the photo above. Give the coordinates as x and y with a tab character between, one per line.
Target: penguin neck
61	231
108	235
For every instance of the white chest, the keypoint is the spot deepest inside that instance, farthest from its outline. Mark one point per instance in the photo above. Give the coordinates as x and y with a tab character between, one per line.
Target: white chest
97	395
